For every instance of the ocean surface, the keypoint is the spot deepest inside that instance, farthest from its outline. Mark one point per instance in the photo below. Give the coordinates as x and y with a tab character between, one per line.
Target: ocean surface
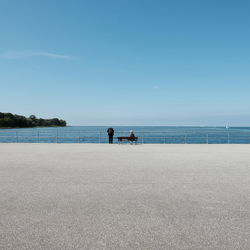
147	134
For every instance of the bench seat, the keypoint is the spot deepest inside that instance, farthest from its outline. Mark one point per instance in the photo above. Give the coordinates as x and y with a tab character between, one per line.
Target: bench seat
127	138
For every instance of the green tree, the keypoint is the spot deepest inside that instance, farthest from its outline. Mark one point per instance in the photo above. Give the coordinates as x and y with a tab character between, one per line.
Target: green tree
18	121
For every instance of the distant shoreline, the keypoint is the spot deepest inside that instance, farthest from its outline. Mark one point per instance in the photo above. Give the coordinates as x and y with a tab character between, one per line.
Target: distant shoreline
9	121
35	127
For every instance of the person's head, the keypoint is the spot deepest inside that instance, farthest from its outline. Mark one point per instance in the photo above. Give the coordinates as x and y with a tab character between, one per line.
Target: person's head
131	131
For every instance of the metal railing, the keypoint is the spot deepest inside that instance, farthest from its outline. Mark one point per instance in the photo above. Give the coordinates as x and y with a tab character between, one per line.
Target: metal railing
81	136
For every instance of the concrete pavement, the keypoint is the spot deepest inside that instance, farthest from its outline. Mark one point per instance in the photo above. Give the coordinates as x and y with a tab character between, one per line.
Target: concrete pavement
93	196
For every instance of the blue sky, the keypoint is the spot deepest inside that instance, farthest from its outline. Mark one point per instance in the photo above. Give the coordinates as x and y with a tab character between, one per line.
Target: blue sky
127	62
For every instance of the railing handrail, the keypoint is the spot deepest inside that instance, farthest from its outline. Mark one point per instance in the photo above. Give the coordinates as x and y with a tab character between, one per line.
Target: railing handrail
184	138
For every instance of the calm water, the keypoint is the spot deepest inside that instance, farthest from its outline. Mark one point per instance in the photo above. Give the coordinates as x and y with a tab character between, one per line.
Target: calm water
97	134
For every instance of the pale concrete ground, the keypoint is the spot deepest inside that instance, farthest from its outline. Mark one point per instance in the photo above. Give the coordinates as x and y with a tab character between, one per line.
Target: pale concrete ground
90	196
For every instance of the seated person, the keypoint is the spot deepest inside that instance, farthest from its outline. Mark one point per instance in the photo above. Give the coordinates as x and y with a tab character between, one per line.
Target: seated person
131	134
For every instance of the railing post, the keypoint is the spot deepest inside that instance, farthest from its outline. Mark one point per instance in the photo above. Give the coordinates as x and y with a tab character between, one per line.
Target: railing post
228	138
142	138
16	136
185	139
207	138
37	136
57	136
99	137
164	139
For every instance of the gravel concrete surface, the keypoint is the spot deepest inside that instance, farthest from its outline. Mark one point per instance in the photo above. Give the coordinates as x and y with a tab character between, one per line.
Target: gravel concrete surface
93	196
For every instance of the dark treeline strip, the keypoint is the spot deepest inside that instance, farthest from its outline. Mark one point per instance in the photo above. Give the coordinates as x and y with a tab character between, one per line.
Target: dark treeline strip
8	120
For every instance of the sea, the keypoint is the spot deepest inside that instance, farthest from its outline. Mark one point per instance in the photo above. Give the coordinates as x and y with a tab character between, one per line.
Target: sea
145	134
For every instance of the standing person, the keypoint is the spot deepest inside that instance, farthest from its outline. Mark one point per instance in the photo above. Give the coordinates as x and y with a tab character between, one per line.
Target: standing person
110	132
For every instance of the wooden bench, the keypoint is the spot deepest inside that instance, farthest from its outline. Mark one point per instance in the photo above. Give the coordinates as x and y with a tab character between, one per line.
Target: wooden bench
127	138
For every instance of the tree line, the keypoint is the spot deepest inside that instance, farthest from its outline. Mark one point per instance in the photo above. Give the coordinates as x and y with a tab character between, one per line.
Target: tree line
8	120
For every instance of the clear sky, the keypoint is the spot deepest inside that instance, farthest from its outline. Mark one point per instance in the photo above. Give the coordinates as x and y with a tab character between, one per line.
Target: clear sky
127	62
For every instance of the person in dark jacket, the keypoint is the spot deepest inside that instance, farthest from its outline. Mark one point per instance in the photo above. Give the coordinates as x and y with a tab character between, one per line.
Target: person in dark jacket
110	132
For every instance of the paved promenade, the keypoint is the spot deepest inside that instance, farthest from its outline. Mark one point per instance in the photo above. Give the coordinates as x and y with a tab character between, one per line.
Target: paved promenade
92	196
